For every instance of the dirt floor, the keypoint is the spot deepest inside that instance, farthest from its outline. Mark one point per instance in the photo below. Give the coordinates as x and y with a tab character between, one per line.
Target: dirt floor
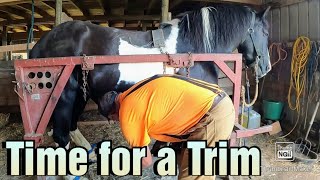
271	169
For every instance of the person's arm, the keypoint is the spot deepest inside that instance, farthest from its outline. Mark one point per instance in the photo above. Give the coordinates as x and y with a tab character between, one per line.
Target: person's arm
147	161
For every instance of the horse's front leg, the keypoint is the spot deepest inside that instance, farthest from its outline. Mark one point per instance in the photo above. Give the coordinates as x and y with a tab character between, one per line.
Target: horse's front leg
75	134
62	116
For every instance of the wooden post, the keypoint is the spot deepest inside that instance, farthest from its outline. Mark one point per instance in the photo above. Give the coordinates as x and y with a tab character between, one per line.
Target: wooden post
4	40
164	10
144	27
58	12
169	16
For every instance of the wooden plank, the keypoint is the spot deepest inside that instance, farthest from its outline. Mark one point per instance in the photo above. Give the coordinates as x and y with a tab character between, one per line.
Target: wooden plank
151	5
314	26
16	47
52	5
16	11
175	3
5	2
4	40
252	2
6	16
102	5
303	19
293	21
79	4
283	3
37	10
276	25
284	27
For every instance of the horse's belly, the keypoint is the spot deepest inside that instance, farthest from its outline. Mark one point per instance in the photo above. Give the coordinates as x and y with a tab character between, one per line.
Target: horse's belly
135	72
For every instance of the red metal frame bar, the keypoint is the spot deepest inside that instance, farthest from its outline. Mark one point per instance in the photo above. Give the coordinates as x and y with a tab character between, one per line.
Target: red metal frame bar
35	126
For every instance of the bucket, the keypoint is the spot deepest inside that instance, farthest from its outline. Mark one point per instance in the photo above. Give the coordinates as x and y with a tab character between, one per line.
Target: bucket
272	109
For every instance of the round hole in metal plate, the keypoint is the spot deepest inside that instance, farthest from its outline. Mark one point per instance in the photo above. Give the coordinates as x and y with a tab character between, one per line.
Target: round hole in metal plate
49	85
47	74
31	75
40	85
39	74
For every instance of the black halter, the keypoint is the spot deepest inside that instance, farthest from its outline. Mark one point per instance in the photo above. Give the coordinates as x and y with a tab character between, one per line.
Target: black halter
251	31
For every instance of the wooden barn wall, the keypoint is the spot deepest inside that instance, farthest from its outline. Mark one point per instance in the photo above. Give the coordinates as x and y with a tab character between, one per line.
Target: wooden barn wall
286	24
300	19
8	99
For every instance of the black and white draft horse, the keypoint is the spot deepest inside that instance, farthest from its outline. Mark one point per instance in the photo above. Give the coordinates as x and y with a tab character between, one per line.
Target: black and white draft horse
222	28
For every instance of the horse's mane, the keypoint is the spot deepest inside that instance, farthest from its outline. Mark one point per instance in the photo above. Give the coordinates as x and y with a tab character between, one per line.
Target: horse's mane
224	21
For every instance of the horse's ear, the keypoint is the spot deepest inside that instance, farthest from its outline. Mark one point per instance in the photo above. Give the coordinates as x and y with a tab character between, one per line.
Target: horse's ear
263	14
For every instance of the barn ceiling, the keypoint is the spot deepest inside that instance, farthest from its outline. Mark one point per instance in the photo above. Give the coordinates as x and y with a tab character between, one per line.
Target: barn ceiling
15	15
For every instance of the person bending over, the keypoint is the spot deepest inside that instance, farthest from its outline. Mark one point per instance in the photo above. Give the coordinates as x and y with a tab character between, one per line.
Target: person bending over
171	108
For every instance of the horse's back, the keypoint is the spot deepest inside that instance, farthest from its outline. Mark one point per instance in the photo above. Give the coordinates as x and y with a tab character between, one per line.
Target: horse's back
72	38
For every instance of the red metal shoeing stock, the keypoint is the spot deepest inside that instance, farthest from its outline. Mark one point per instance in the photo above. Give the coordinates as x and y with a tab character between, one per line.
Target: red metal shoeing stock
37	101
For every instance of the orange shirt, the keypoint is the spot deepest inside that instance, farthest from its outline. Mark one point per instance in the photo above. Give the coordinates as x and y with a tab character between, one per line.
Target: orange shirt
163	104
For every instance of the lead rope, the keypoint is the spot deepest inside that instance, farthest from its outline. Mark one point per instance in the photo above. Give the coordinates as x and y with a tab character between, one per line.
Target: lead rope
243	90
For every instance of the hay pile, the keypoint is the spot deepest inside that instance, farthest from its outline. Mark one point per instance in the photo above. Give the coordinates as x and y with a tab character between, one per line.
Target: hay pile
99	132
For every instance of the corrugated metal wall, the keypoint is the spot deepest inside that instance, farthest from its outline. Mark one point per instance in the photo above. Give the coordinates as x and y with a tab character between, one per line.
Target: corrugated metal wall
289	22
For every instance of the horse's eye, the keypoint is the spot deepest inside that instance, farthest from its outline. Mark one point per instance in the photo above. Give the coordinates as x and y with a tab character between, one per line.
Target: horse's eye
266	34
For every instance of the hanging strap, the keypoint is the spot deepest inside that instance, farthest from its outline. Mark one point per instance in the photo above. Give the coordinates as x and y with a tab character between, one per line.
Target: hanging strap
158	38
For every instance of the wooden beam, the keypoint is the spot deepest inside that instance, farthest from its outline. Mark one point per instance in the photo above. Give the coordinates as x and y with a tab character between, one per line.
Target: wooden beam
52	5
175	3
282	3
15	11
98	18
164	10
23	36
58	12
6	2
151	5
80	5
102	5
5	16
37	10
251	2
16	47
4	40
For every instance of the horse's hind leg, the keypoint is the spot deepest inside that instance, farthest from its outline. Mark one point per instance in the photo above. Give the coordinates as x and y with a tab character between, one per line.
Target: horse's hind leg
75	134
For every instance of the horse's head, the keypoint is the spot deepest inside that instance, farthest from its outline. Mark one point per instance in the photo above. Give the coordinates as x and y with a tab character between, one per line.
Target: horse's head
255	45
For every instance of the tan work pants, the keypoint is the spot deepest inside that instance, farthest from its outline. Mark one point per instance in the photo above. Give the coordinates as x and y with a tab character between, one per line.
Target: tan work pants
218	125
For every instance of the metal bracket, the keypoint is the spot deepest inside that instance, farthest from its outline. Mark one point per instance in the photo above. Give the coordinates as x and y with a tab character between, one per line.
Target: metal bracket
179	63
87	63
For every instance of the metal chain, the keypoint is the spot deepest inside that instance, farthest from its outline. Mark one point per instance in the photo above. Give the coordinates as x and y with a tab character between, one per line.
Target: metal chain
171	60
189	64
85	83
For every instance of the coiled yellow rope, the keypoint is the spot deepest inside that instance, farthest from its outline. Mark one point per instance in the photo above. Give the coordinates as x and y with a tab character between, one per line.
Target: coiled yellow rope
301	51
300	56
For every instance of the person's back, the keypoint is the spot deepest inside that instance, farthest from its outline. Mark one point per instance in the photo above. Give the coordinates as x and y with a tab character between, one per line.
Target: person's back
164	104
171	108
